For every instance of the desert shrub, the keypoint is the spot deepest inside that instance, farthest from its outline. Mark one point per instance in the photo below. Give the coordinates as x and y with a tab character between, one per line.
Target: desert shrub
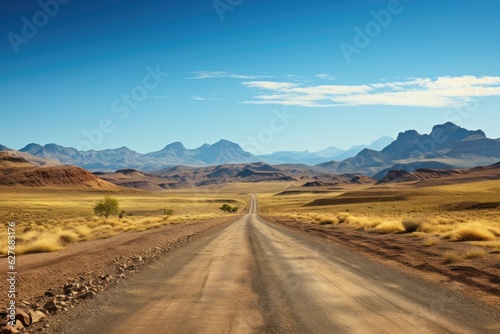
411	225
328	221
228	208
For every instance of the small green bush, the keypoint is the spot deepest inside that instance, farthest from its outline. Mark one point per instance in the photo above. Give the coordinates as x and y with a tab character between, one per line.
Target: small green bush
228	208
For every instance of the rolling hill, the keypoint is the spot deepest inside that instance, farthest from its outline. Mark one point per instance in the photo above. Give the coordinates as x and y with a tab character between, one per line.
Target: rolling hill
186	176
18	171
431	177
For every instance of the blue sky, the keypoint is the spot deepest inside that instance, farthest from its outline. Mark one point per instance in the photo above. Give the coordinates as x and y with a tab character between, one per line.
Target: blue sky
269	75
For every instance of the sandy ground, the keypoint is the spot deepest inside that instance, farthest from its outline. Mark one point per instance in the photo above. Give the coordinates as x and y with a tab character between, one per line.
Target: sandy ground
38	273
477	277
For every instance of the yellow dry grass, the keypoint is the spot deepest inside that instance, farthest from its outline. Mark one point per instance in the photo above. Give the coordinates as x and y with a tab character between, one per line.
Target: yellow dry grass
474	254
429	242
48	219
390	226
430	213
474	232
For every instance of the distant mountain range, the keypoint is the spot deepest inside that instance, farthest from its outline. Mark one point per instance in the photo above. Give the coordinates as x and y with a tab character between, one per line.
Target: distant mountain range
328	154
448	146
174	154
171	155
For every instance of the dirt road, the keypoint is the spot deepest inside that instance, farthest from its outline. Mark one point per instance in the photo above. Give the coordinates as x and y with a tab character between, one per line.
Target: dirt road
255	277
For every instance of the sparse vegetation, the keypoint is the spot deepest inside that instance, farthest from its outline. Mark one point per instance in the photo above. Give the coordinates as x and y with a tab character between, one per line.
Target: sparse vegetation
45	223
108	206
430	213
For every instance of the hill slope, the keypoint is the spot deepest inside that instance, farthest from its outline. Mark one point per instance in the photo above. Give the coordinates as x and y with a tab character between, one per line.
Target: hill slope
432	177
17	171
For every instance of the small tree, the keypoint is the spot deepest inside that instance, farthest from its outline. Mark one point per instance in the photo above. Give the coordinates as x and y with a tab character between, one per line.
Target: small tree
234	209
108	206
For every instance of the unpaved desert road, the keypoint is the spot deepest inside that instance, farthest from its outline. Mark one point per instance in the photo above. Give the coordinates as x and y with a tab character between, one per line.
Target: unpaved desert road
255	277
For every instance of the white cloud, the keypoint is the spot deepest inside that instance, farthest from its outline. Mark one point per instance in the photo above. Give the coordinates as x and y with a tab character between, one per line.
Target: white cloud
199	98
325	76
223	74
270	85
441	92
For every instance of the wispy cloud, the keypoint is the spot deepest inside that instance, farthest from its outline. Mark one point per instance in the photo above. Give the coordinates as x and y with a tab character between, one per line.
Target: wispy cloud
223	74
156	97
200	98
441	92
325	76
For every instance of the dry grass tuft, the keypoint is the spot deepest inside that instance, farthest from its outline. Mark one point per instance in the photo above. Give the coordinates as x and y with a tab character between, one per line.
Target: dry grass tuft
46	243
343	217
390	227
474	254
81	230
68	237
474	233
362	222
450	257
429	242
